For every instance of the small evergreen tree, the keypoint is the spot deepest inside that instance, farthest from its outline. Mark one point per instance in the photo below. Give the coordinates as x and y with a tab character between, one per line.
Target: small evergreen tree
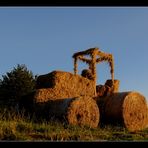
17	83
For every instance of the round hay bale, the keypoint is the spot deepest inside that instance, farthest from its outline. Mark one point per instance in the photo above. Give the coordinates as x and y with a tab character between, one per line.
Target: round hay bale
83	111
126	108
110	84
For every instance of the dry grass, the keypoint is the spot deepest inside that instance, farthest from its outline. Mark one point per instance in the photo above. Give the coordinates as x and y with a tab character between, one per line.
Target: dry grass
126	108
19	128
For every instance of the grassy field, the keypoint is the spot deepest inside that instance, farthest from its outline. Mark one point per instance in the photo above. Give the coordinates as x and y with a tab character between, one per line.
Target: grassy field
17	127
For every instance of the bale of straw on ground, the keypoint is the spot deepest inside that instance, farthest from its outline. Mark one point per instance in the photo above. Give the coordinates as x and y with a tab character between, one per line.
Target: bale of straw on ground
125	108
82	111
59	85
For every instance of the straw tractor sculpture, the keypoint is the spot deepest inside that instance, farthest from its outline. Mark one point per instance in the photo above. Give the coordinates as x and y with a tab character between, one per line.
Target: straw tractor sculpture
80	101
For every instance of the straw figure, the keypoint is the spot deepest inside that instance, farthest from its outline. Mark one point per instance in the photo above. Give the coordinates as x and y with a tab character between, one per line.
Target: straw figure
96	56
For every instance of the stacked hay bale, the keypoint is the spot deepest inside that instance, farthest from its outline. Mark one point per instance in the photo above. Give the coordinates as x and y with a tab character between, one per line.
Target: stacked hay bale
126	108
62	94
60	85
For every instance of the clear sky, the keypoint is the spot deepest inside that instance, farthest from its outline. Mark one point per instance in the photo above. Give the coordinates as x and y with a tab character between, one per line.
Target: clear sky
45	38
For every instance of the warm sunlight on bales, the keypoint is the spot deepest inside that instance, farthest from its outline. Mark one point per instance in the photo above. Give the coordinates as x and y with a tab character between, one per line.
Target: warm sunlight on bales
60	85
63	94
127	108
82	111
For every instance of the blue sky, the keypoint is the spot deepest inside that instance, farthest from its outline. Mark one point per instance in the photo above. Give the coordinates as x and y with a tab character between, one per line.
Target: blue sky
45	38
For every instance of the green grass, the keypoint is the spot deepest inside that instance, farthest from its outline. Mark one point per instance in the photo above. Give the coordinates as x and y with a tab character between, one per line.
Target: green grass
17	127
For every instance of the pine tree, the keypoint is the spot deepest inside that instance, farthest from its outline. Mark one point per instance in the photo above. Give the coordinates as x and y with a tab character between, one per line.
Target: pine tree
17	83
